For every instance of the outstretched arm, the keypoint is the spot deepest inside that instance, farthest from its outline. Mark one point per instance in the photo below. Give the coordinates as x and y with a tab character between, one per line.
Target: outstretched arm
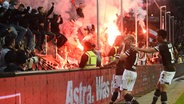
146	50
50	10
111	63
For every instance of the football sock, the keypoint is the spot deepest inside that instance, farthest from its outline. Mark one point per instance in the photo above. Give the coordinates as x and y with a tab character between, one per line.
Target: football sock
114	96
164	97
129	98
156	95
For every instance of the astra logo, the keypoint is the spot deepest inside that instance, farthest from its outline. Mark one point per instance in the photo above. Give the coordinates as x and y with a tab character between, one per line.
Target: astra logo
79	95
84	94
102	88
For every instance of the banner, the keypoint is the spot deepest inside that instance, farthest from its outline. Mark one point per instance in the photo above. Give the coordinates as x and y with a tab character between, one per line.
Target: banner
70	87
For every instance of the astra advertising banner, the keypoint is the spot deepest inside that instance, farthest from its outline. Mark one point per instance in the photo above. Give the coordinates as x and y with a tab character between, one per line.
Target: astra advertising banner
69	87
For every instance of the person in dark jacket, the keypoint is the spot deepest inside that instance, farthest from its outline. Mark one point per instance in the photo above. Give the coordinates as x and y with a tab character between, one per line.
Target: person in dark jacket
16	61
55	22
8	46
7	22
43	25
21	18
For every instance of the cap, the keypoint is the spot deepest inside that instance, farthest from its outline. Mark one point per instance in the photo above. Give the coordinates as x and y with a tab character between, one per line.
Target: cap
6	4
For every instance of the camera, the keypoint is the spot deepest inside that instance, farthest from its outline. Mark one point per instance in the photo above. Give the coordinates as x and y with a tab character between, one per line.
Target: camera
31	61
34	59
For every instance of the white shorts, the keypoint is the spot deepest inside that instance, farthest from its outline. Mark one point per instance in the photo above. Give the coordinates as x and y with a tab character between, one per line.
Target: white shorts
129	78
166	77
117	81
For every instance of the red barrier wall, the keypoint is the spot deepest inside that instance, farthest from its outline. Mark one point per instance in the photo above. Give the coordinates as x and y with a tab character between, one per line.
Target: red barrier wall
69	87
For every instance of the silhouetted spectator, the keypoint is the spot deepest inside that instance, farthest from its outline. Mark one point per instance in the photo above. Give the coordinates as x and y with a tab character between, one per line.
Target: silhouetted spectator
43	26
8	18
55	22
9	46
22	16
16	64
78	8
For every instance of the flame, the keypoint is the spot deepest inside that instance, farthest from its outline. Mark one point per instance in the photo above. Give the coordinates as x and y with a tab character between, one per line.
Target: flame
112	29
79	45
113	32
144	31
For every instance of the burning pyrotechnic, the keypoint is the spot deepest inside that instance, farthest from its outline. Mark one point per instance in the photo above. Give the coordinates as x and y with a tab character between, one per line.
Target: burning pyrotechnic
113	32
144	31
107	17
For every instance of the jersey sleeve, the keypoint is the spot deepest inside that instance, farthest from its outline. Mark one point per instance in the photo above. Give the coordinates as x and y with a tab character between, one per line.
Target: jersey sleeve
127	52
156	48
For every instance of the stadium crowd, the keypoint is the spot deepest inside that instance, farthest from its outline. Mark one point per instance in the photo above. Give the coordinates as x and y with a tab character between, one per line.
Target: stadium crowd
27	33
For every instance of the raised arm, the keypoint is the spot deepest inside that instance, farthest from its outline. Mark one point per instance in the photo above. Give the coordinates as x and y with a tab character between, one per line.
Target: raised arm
73	3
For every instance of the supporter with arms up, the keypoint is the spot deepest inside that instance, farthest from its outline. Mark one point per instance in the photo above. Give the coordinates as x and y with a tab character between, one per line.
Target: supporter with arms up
43	26
79	9
55	22
166	50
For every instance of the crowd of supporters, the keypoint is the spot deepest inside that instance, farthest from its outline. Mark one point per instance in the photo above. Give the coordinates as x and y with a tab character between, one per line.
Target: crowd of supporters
33	28
25	31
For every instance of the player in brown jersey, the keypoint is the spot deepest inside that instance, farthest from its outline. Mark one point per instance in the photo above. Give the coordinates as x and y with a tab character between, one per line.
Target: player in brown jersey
166	50
128	59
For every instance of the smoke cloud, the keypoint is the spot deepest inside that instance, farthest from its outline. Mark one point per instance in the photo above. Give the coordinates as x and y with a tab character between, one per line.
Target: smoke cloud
107	9
108	12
